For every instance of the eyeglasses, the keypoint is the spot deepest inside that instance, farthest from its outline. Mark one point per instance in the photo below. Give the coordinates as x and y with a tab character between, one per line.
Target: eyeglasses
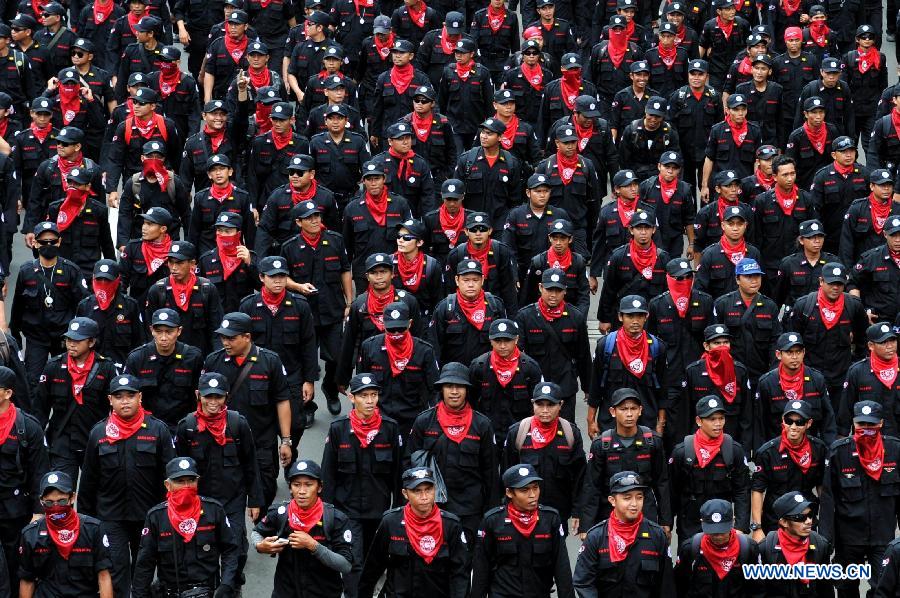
408	238
479	229
531	53
421	100
800	517
78	54
790	421
55	503
17	28
47	242
44	15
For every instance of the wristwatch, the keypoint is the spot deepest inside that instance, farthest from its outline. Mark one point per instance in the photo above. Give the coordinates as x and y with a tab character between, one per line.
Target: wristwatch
755	526
286	440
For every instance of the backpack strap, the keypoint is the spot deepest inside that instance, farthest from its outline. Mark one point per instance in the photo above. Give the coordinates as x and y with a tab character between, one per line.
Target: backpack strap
522	432
744	552
136	187
232	419
328	520
689	445
567	431
695	546
727	449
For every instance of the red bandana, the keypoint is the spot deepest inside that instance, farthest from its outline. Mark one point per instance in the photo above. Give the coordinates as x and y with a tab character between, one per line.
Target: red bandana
818	31
505	368
668	55
551	313
169	78
667	190
261	78
384	50
870	449
281	140
375	305
183	510
377	206
297	195
791	385
147	127
817	137
794	549
217	137
122	429
790	6
66	166
621	536
643	259
720	367
566	166
625	211
455	424
102	11
681	293
41	132
411	271
157	168
879	211
155	253
735	253
633	352
706	448
556	260
725	26
221	193
542	434
570	86
399	349
448	42
451	225
845	172
105	292
64	527
425	534
215	424
421	125
464	70
475	311
523	521
404	163
787	201
417	14
738	132
71	207
182	292
618	45
303	520
273	301
133	20
584	133
508	138
262	118
79	375
534	74
724	558
236	49
69	101
4	126
6	422
745	66
895	120
482	255
766	182
401	77
830	311
495	17
365	430
870	59
228	247
801	454
885	370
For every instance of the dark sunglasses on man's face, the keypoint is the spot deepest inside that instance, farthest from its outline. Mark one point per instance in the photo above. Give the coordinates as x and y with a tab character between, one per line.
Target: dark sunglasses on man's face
78	54
532	53
795	421
47	242
478	229
17	28
421	100
409	238
800	517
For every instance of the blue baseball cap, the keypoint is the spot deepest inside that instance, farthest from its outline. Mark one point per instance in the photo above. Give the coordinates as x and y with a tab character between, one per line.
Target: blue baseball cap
747	266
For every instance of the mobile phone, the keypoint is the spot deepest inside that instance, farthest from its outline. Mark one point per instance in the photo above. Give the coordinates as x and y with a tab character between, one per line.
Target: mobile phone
282	541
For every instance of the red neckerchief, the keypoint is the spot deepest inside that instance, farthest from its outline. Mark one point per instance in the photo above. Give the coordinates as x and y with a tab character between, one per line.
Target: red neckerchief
738	133
451	225
71	207
735	253
169	78
794	549
495	17
421	125
786	201
801	454
401	77
6	422
261	116
384	50
879	212
818	31
64	527
66	166
411	271
791	385
721	204
425	534
624	210
4	126
667	190
633	352
303	520
556	260
480	254
845	172
870	59
448	42
122	429
281	140
491	160
720	367
69	101
182	292
817	137
570	86
870	450
155	253
668	55
830	311
215	424
105	292
508	138
217	137
365	3
417	14
766	182
721	559
375	305
228	246
404	163
311	241
534	74
584	133
621	536
523	521
147	127
271	300
745	66
680	290
618	45
885	371
399	348
726	27
365	430
895	255
261	78
102	11
505	368
236	49
643	259
566	166
464	70
706	448
455	424
79	375
895	120
37	7
698	94
297	195
183	509
790	6
157	168
474	310
377	206
133	20
541	434
551	313
220	193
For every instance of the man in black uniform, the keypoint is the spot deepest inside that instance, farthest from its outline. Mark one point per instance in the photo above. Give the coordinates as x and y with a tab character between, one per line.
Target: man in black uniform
835	187
30	147
721	39
835	96
673	201
445	227
808	143
434	139
644	140
339	156
762	179
611	230
406	173
873	379
222	196
859	499
230	266
270	154
394	91
221	443
219	135
188	541
875	277
561	256
122	475
521	546
727	224
465	93
799	272
226	55
167	368
732	144
141	56
628	104
47	544
143	260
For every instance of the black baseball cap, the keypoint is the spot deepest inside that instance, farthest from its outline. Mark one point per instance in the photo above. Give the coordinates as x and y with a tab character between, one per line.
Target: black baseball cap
711	333
82	328
789	340
709	405
181	467
106	269
158	215
416	476
362	381
833	272
182	251
519	476
234	324
867	412
620	395
633	304
626	481
124	382
716	516
213	383
305	467
166	317
503	328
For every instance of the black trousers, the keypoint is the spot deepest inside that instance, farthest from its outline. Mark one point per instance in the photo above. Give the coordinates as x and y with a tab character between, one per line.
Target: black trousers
363	531
845	555
9	537
124	540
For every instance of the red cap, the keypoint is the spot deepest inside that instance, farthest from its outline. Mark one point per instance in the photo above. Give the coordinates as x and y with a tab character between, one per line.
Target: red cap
793	33
531	33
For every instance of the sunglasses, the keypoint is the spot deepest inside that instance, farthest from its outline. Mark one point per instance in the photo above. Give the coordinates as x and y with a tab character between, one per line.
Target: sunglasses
790	421
78	54
421	100
47	242
17	28
479	229
408	237
55	503
800	517
44	15
531	53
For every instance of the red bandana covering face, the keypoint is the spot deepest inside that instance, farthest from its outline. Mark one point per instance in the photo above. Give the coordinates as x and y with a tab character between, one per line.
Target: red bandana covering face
66	166
622	536
365	430
790	6
375	305
551	313
643	258
464	70
801	454
155	252
721	559
399	349
791	384
584	133
417	14
377	206
870	447
625	210
425	534
481	255
228	248
667	190
543	434
496	16
508	138
566	166
102	11
69	101
71	207
534	74
79	375
618	45
818	31
523	521
6	422
448	42
214	424
182	292
184	511
261	116
64	527
237	48
384	50
830	311
720	367
401	77
879	211
156	168
133	19
559	261
738	132
706	448
787	201
817	137
455	424
505	368
735	253
281	140
221	193
668	55
260	78
421	125
122	429
681	293
105	292
451	225
215	137
474	310
273	300
725	26
634	352
169	78
41	132
895	120
869	59
765	181
794	549
570	85
411	271
885	370
303	520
